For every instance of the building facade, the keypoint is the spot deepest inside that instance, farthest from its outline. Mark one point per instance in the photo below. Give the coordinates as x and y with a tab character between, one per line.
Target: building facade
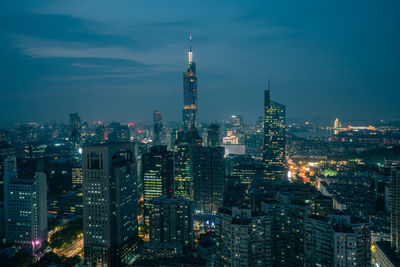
274	160
243	238
26	211
157	175
208	178
110	203
158	129
171	221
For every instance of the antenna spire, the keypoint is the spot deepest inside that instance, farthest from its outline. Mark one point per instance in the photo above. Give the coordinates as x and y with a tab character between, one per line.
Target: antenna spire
190	50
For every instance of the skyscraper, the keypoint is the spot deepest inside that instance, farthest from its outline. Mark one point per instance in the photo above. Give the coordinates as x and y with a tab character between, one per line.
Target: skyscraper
388	253
6	151
171	221
26	210
183	162
158	174
274	138
157	128
183	178
208	178
190	93
109	203
395	207
75	128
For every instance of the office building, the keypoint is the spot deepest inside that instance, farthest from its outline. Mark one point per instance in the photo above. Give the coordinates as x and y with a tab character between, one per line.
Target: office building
158	174
171	221
75	131
183	162
208	178
274	138
394	196
25	206
6	151
110	202
243	168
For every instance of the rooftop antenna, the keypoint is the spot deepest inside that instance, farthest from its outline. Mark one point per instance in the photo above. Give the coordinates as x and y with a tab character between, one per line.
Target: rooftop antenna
190	50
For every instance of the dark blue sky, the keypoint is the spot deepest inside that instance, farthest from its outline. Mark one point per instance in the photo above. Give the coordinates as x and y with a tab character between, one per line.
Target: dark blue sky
121	60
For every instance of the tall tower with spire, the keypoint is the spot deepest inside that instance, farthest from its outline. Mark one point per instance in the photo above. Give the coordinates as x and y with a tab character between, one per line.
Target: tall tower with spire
190	93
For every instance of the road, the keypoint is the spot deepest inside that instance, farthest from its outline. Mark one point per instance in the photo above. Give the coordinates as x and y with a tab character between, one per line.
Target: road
72	250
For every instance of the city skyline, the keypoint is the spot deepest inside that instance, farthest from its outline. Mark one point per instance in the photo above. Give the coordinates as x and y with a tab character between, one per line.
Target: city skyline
337	62
166	133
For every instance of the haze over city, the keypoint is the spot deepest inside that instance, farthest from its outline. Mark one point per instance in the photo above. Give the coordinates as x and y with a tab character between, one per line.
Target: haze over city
122	60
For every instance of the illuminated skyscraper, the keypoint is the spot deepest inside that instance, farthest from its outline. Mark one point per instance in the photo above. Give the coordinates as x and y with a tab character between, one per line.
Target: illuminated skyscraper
25	210
208	178
274	138
75	129
158	174
109	203
183	162
395	205
190	93
183	182
157	128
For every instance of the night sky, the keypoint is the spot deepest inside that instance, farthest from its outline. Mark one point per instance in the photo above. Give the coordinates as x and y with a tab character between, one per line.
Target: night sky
121	60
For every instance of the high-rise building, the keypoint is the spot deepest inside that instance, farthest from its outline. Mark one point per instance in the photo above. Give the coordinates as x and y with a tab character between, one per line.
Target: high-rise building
318	243
6	151
213	136
25	206
158	174
388	253
183	178
394	196
242	168
75	130
337	240
243	238
183	162
208	178
171	221
274	138
110	203
157	128
190	93
287	228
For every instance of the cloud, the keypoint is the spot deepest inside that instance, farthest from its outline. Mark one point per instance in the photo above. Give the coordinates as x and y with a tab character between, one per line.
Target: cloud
43	48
